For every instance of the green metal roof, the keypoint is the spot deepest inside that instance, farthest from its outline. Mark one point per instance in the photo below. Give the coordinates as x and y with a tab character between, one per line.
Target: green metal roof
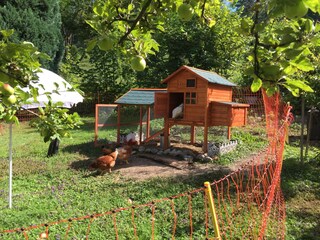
139	97
211	77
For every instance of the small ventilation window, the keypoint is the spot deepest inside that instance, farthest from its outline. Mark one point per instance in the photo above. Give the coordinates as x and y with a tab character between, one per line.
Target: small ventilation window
191	83
191	98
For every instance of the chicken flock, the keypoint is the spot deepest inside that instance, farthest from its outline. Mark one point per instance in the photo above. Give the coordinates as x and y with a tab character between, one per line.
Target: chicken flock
112	152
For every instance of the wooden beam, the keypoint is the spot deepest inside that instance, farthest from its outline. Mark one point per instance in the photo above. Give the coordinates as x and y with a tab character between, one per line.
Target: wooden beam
229	133
166	133
192	137
185	122
96	127
206	127
140	130
148	123
166	130
245	116
153	136
118	123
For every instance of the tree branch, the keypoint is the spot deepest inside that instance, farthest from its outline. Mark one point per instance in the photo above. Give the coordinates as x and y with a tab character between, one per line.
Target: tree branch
134	23
30	111
202	10
269	46
256	41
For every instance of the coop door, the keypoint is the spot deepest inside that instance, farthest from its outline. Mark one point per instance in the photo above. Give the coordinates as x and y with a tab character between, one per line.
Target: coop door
160	104
176	99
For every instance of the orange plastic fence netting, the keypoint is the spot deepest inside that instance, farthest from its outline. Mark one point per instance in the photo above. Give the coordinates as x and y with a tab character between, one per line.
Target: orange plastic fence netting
248	202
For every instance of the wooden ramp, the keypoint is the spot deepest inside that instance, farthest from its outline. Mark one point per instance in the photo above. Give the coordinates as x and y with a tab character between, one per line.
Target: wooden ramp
153	136
171	162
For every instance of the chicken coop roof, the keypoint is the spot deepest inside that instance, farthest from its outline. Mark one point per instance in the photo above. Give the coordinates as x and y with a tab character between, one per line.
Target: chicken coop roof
139	96
210	76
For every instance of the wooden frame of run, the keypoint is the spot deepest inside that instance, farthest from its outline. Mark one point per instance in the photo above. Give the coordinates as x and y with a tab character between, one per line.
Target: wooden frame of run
119	125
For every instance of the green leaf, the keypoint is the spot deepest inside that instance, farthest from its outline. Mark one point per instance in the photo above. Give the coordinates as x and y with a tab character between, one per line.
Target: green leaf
295	9
7	33
289	70
275	9
271	90
41	110
314	5
287	38
294	91
161	28
315	40
93	23
271	71
245	26
308	25
249	71
269	40
91	44
121	27
212	23
250	58
15	120
256	85
303	64
299	84
293	53
97	8
130	7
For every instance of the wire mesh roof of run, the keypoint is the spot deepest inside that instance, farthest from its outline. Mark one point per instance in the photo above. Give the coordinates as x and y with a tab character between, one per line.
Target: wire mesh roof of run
139	96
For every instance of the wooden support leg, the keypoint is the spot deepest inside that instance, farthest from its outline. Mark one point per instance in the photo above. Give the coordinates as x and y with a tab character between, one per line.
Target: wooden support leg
205	140
148	123
192	137
166	135
229	133
118	124
140	127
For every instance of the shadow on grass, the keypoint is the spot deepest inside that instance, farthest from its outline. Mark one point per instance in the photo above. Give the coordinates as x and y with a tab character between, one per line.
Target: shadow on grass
83	166
300	177
88	149
301	189
309	225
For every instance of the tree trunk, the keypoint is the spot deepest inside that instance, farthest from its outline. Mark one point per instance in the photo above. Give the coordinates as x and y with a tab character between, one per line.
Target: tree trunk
315	126
302	128
53	147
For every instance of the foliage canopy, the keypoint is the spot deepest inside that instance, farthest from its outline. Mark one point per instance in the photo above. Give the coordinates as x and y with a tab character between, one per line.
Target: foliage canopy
282	40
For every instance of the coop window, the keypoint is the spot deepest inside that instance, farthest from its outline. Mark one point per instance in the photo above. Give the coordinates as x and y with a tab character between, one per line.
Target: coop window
191	98
191	83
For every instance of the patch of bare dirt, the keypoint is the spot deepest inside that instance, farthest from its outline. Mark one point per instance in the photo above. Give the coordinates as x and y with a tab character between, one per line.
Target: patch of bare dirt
142	168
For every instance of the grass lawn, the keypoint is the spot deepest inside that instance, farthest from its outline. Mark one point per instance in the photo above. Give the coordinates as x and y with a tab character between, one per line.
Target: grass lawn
50	189
301	188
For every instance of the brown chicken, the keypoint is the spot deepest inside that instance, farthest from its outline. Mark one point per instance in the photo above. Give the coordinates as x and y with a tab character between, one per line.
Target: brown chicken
124	153
107	149
105	163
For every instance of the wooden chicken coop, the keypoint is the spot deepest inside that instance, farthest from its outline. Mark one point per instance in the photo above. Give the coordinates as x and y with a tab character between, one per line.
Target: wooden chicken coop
205	99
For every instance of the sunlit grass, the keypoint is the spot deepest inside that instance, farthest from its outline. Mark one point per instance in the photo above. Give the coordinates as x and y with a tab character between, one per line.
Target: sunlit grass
60	187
